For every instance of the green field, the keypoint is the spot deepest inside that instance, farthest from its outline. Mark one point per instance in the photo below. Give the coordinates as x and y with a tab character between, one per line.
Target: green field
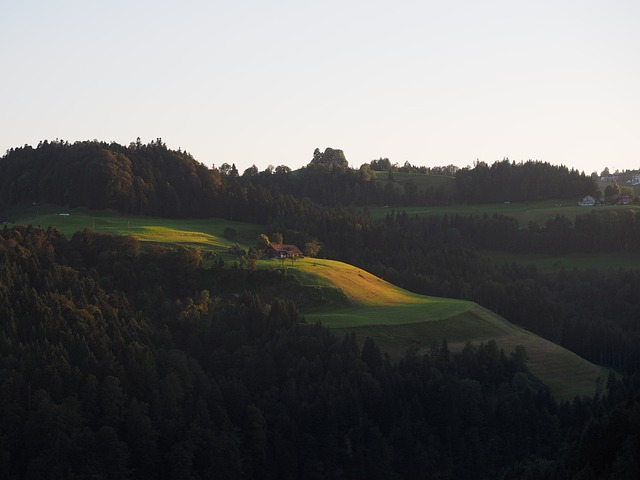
398	320
373	301
422	182
395	318
556	263
538	212
205	234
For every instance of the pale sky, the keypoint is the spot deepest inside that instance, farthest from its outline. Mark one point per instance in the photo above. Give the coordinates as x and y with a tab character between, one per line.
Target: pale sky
266	82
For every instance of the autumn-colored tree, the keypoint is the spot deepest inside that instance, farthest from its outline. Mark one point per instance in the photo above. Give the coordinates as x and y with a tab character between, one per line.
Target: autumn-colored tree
262	242
312	248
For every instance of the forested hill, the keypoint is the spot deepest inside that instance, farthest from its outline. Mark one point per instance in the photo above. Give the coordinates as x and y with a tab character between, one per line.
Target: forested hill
122	363
142	179
150	179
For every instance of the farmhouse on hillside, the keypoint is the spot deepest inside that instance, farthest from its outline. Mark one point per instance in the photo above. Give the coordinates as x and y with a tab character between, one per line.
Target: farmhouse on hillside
280	250
624	199
587	201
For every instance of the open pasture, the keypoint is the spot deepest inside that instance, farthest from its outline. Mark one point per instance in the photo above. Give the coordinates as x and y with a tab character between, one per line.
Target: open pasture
399	320
555	263
538	212
206	234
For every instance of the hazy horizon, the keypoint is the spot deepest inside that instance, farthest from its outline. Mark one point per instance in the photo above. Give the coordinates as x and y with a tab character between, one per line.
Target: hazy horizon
266	83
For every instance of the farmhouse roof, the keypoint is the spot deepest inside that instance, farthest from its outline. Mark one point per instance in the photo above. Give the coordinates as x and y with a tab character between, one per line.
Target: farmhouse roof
621	198
286	249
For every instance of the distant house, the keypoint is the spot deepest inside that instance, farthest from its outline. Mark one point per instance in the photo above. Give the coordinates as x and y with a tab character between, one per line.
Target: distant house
609	178
624	199
280	250
620	199
587	201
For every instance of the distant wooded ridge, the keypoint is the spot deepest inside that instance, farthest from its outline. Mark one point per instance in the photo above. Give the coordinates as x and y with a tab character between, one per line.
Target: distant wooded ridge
151	179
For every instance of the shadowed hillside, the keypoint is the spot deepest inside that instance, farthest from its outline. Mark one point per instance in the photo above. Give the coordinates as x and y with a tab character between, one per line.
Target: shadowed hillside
399	320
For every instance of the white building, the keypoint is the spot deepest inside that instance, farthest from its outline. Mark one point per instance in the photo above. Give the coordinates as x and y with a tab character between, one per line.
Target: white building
587	201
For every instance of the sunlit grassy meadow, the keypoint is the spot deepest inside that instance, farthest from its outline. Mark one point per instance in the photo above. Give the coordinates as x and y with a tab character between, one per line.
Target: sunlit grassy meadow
399	320
206	234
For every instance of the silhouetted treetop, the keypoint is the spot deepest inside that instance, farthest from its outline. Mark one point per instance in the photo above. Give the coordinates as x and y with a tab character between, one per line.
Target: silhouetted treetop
331	158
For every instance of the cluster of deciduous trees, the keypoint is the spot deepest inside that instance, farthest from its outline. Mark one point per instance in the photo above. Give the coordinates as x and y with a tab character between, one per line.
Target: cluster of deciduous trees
119	363
385	165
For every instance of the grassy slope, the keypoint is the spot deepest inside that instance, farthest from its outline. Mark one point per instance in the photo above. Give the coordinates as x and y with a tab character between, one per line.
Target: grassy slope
395	318
399	320
205	234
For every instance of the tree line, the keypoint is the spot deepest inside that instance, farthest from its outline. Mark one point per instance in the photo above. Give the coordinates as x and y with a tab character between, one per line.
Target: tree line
151	179
508	181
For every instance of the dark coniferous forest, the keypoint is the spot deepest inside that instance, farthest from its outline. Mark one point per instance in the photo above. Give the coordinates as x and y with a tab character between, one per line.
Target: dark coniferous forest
125	362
